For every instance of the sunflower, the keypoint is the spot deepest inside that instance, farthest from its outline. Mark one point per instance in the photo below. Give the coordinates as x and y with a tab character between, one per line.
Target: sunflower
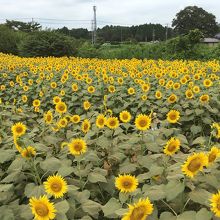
145	87
48	117
172	146
86	126
142	122
173	116
42	208
86	105
61	107
172	98
216	127
158	94
143	97
55	186
194	164
74	87
189	94
53	85
196	89
18	129
139	210
62	122
77	146
204	99
91	89
28	152
207	83
62	92
36	103
112	122
213	154
111	89
131	91
125	116
126	183
56	100
24	98
75	119
100	121
176	86
215	204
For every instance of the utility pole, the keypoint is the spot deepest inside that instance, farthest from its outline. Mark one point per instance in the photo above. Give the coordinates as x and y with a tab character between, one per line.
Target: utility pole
94	25
153	37
166	33
92	28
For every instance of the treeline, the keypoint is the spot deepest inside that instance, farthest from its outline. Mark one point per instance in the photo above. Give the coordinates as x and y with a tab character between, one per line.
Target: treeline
114	34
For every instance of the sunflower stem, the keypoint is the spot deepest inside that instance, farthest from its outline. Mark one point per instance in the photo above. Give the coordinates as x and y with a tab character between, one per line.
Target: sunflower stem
80	176
185	205
169	207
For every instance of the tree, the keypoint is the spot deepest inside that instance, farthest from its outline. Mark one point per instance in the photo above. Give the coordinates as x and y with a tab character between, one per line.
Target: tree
193	17
23	26
46	43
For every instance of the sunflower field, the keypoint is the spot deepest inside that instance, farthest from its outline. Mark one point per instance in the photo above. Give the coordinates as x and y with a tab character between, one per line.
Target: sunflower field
109	139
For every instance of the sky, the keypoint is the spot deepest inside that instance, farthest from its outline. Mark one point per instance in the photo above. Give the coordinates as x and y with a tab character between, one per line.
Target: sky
79	13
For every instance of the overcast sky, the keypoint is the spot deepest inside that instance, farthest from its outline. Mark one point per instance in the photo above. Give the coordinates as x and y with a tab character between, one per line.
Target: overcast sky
121	12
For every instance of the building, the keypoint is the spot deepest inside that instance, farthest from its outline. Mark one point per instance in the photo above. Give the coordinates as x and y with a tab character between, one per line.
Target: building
210	41
217	36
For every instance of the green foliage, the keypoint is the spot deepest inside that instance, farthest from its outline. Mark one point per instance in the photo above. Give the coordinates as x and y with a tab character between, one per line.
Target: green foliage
193	17
46	43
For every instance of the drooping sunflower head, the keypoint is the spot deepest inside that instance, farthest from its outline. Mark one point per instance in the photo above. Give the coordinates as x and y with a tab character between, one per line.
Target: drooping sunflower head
215	204
42	208
77	146
142	122
125	116
126	183
216	129
172	146
75	119
194	164
28	152
86	125
48	117
112	122
18	129
213	154
55	186
173	116
139	210
100	121
61	107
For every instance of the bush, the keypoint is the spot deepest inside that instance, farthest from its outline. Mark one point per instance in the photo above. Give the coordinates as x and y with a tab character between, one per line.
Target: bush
46	43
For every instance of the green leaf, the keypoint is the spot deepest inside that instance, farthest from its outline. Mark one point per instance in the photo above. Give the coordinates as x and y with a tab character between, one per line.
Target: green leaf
96	177
204	214
199	141
154	192
62	207
91	207
51	164
65	171
167	216
188	215
200	196
32	190
195	129
110	207
5	187
173	189
6	155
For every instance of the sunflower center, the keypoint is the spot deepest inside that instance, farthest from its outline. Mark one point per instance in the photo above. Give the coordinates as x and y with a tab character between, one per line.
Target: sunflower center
127	184
212	157
173	116
56	187
49	117
138	213
78	146
194	165
42	210
142	123
101	121
171	147
19	129
125	116
61	108
86	126
112	123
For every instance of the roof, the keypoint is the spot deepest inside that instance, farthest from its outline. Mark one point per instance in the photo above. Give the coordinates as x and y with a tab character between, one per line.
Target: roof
217	36
210	40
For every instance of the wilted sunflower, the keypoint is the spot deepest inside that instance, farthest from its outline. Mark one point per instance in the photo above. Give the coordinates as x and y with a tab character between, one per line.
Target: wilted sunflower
100	121
173	116
139	210
36	103
172	146
77	146
213	154
215	204
75	119
18	129
126	183
28	152
61	107
142	122
125	116
42	208
194	164
204	99
85	126
55	186
48	117
112	122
